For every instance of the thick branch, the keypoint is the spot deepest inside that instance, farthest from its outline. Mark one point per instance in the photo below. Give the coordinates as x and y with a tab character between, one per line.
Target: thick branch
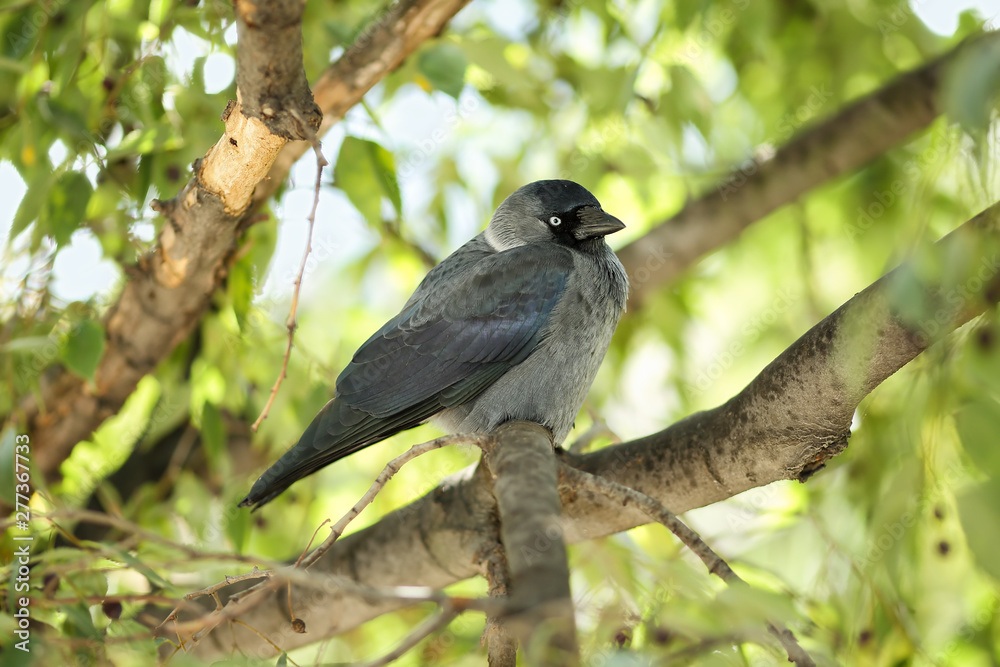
792	418
167	293
523	467
856	135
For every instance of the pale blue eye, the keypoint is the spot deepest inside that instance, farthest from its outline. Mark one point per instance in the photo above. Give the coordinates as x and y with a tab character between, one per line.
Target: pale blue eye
555	221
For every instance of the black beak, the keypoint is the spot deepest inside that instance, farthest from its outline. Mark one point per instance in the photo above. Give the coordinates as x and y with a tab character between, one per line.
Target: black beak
595	223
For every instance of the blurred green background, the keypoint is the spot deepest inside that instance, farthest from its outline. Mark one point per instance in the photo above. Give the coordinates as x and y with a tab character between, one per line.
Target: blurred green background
887	557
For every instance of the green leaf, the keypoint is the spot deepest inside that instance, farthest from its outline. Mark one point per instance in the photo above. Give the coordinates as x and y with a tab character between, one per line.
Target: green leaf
7	465
84	348
979	510
140	567
213	434
366	172
26	344
444	66
66	118
79	623
34	198
282	660
970	88
385	169
978	424
237	526
66	207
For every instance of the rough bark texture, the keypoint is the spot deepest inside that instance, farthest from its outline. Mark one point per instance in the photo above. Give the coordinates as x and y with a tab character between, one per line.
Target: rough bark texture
523	467
501	645
273	87
380	48
853	137
167	293
784	425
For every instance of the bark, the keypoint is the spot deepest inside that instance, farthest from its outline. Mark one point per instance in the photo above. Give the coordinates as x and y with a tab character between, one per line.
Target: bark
523	468
855	136
167	293
785	424
501	645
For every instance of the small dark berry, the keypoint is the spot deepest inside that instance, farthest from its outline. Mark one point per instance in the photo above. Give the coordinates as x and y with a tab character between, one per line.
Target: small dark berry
112	609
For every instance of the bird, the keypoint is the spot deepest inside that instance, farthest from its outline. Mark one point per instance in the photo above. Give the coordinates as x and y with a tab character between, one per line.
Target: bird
513	325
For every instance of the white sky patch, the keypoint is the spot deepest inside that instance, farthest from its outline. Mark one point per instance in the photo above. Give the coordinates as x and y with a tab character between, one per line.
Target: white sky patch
219	72
942	17
182	50
80	271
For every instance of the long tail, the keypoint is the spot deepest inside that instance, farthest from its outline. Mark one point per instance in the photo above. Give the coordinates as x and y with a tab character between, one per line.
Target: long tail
338	430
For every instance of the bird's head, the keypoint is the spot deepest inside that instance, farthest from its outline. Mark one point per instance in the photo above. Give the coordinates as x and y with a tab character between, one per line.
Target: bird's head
560	211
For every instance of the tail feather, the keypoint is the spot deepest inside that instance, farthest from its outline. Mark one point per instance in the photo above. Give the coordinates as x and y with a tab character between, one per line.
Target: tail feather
337	431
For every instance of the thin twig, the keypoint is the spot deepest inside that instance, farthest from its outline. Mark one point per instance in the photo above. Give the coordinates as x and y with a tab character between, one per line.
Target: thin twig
264	637
428	627
290	322
211	590
597	429
124	525
501	645
655	510
390	469
198	628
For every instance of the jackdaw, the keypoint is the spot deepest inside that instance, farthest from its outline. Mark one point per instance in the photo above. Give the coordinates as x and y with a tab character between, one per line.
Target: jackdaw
512	325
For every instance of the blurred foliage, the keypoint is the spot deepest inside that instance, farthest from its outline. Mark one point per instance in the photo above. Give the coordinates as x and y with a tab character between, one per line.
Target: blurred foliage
887	557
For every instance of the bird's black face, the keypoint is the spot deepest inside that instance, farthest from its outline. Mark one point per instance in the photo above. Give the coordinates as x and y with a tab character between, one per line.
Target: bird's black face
560	211
580	224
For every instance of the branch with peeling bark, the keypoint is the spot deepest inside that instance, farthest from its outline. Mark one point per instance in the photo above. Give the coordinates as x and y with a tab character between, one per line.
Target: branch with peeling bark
167	293
787	422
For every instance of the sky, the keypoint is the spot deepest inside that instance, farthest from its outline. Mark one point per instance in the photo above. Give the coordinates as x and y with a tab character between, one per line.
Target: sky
80	272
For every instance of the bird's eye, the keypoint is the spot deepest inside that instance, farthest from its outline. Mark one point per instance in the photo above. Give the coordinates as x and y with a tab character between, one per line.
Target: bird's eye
555	221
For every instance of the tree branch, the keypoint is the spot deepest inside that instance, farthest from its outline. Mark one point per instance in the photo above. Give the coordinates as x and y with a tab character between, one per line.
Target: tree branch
784	425
523	467
855	136
167	293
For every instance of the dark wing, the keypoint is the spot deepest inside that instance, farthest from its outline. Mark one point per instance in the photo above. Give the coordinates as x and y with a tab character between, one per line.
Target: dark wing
460	332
